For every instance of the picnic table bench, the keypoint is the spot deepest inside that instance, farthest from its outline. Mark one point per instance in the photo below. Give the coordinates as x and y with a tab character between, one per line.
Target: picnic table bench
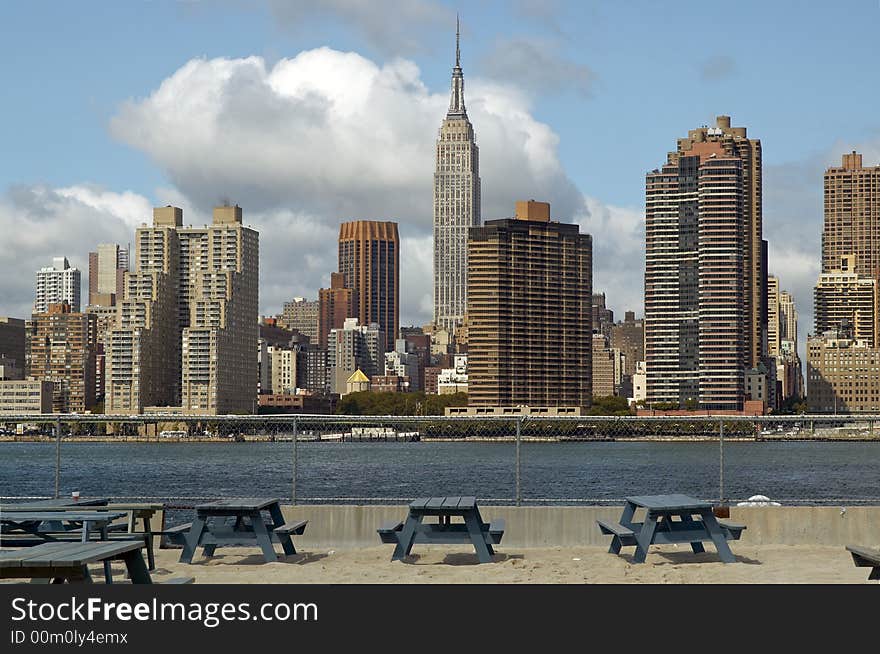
670	519
865	557
68	561
404	534
212	528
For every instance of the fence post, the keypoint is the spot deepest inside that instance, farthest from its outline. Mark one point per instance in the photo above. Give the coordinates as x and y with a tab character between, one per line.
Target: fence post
518	460
293	482
721	461
57	459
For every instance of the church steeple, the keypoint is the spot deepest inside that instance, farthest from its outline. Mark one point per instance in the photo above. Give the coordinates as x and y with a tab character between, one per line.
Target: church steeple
456	102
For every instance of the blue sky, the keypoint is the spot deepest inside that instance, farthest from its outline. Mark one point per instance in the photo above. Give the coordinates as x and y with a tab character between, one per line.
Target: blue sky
615	82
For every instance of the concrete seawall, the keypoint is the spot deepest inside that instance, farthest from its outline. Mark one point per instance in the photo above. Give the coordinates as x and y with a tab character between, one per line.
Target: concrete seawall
349	527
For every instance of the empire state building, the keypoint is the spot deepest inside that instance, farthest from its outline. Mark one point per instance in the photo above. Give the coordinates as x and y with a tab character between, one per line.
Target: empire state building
456	204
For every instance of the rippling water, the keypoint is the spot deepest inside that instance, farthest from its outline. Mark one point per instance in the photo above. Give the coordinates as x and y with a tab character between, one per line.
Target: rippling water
789	471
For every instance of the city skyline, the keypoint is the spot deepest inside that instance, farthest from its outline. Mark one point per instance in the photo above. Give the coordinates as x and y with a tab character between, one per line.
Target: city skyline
574	162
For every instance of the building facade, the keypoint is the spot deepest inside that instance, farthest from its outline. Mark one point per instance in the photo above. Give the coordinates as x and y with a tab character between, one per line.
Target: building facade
529	290
843	297
302	315
335	304
56	284
369	259
352	348
704	270
187	326
12	348
852	216
107	268
25	396
62	351
456	205
843	374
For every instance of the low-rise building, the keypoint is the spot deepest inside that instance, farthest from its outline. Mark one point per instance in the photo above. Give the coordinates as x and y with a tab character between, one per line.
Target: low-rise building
843	374
455	379
25	396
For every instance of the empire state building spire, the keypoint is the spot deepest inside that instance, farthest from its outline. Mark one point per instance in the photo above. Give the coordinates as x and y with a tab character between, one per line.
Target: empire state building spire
456	102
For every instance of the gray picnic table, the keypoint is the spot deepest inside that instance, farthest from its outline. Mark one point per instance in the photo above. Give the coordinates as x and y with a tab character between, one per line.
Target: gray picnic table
671	518
68	561
414	530
136	511
238	522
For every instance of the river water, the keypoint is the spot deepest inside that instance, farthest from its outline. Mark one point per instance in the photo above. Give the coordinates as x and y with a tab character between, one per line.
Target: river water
789	472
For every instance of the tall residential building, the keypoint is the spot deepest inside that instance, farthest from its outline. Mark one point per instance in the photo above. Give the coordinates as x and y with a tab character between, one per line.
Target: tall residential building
852	216
529	292
703	272
788	317
456	204
187	327
608	363
12	348
369	259
107	268
302	315
62	351
628	336
843	297
354	347
773	335
56	284
335	304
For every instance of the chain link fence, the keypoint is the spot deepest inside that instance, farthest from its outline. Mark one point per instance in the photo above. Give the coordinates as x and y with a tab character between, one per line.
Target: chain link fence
182	460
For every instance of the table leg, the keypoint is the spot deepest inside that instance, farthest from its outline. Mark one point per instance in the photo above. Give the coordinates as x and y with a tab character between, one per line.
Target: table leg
285	539
263	537
626	517
148	530
645	537
108	572
406	538
717	535
696	545
475	529
137	569
192	539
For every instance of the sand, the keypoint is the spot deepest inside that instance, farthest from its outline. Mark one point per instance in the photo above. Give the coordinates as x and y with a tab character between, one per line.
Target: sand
668	564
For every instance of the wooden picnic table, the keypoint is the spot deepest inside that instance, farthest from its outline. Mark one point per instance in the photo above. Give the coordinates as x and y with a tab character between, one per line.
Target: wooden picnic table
67	561
473	530
673	518
212	529
143	511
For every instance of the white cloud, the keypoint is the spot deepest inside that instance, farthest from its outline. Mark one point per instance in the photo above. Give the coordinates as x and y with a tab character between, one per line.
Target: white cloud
39	223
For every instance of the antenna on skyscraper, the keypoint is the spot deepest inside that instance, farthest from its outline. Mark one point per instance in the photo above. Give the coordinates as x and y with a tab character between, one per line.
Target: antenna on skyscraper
457	35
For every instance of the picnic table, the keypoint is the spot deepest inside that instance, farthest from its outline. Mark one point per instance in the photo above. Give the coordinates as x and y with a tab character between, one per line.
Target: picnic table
68	561
46	525
695	524
866	557
58	503
473	530
211	527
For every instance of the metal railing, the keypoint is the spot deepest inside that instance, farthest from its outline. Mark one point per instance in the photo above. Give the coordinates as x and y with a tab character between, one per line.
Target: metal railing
518	430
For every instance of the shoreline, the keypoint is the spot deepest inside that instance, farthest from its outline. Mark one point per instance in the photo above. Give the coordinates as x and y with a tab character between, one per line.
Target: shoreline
476	439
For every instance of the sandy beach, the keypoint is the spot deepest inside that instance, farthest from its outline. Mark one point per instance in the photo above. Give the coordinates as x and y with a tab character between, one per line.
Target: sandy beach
774	564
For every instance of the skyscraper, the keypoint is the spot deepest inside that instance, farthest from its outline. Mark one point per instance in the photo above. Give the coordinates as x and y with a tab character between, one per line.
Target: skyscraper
456	204
529	308
56	284
187	327
107	268
852	216
369	259
335	304
704	275
301	315
773	337
844	299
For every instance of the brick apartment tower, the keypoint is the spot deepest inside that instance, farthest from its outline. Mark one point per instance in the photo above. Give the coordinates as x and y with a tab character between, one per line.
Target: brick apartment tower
335	304
62	351
529	311
456	204
107	268
369	258
704	276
